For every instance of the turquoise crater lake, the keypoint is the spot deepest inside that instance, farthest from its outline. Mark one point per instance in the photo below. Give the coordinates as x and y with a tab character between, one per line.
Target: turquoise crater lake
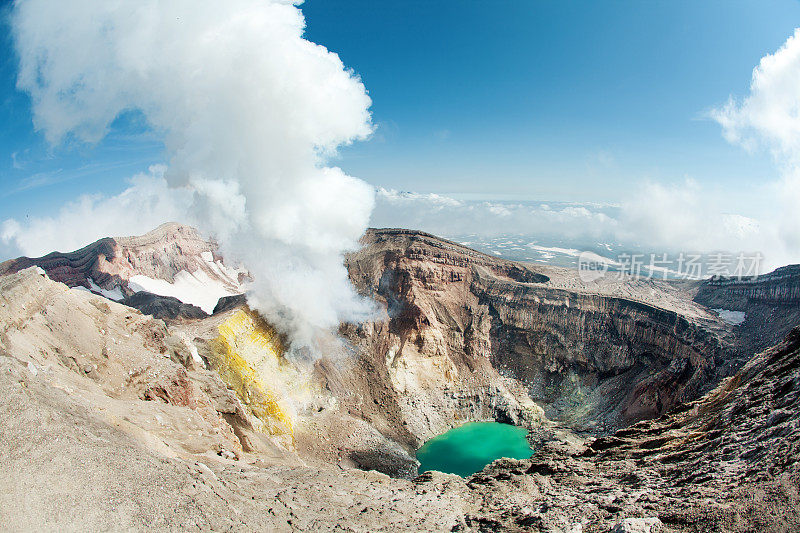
467	449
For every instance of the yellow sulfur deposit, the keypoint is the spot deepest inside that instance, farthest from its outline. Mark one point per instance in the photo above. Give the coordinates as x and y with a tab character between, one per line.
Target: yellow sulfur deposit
249	358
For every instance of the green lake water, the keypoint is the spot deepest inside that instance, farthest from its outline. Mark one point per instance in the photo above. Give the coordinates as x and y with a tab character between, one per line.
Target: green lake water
467	449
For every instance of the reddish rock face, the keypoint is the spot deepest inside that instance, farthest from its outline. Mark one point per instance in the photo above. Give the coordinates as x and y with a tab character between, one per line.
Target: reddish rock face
598	355
110	263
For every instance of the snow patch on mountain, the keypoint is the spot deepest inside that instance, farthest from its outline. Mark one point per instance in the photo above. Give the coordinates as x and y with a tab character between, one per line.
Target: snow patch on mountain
731	317
113	294
196	288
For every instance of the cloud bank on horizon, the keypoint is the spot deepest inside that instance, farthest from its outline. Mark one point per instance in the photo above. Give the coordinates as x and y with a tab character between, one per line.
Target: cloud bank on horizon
250	113
654	219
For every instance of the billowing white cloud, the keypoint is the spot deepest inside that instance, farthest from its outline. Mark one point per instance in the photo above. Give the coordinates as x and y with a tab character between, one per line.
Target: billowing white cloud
769	117
250	113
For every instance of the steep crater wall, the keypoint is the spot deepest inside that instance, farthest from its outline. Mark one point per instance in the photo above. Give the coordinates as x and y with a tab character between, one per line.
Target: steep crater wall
469	336
770	304
596	361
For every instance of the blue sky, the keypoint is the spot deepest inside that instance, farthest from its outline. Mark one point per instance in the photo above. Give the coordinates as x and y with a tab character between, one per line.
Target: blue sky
555	100
491	99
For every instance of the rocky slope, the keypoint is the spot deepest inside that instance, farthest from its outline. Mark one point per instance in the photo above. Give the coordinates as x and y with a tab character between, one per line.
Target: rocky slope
116	424
122	420
111	424
726	462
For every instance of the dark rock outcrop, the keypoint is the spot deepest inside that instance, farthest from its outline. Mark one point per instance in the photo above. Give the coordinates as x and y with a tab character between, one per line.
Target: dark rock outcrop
226	303
164	307
780	287
72	268
770	304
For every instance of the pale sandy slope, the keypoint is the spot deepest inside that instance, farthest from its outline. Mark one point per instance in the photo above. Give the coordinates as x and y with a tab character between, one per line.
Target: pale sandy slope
87	441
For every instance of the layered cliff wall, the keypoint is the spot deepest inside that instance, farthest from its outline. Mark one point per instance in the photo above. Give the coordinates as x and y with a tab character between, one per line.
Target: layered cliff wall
465	326
780	287
768	305
172	261
598	361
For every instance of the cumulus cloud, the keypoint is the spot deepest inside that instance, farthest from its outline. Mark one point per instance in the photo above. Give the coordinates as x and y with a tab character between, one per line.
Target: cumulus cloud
684	216
769	117
250	113
148	198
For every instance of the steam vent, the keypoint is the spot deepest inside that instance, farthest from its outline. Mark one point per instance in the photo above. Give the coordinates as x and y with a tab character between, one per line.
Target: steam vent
249	357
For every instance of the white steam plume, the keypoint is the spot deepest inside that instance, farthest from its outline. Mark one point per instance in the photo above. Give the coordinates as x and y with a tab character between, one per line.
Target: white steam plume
250	112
